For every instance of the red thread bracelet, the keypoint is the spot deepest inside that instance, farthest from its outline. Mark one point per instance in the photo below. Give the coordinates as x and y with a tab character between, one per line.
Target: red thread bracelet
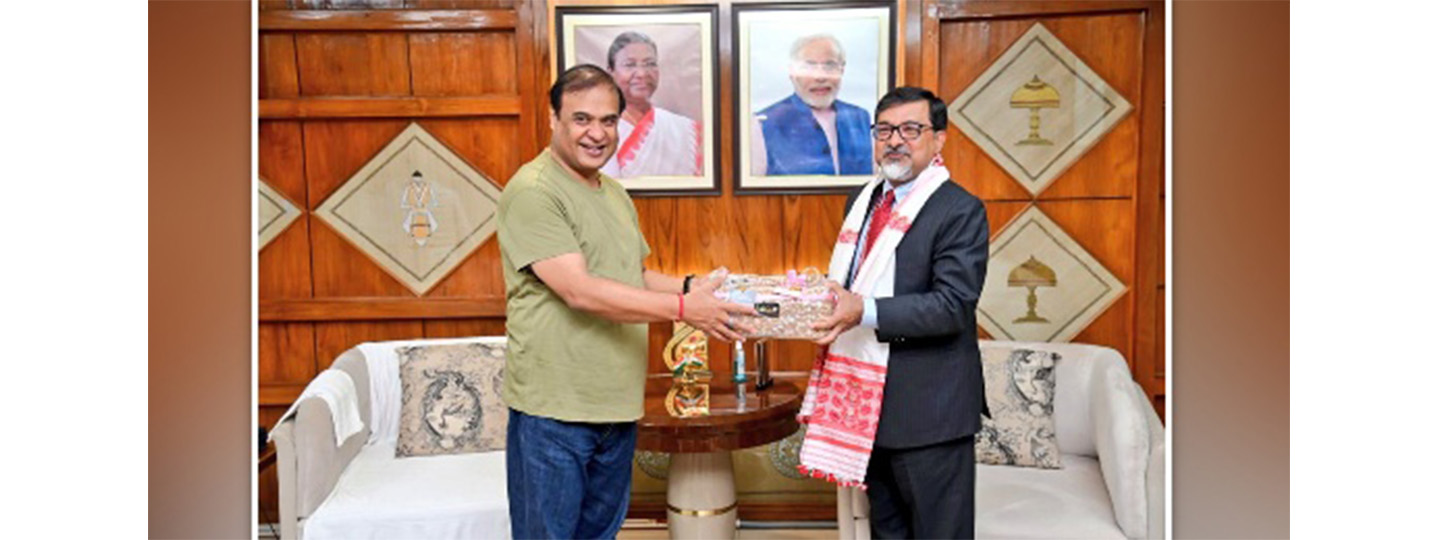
681	316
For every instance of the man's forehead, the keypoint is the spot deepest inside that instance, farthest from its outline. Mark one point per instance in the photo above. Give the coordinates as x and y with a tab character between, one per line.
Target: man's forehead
819	48
918	111
598	101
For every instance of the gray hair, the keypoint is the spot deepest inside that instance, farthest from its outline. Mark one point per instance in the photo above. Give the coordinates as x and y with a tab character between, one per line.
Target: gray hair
806	40
625	39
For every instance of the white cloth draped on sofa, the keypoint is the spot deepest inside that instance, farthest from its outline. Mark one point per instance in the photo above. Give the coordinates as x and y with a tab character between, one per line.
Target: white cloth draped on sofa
360	490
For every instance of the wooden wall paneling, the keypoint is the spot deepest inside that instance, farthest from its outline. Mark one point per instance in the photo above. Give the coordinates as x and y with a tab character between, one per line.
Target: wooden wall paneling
284	266
442	328
739	233
527	64
348	4
335	150
486	144
999	214
269	482
1111	46
542	14
459	4
657	223
1007	9
332	339
462	64
1150	211
969	48
929	46
381	309
396	107
385	15
809	227
353	64
279	78
1106	229
286	354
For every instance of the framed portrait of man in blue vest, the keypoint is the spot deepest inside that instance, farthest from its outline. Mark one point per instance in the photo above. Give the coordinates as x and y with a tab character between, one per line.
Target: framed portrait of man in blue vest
807	80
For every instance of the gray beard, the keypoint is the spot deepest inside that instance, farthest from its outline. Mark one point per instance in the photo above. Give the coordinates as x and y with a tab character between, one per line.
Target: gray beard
894	171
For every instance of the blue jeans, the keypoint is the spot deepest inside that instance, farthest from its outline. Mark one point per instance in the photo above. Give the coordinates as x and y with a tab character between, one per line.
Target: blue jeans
567	479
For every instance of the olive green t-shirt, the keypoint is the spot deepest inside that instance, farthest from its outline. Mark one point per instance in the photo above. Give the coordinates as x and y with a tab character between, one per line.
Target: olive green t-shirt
563	363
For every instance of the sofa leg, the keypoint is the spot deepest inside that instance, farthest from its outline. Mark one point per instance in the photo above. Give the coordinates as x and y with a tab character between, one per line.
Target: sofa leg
844	513
861	503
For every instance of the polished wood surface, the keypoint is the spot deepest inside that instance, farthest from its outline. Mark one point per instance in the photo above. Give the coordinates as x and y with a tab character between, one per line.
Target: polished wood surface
320	108
766	416
394	20
380	309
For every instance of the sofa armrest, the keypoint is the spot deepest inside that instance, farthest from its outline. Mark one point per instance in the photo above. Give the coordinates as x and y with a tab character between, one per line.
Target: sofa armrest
309	462
1122	441
1155	473
284	438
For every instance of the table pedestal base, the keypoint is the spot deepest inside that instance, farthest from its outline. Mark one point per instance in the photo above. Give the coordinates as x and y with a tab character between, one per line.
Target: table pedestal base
701	496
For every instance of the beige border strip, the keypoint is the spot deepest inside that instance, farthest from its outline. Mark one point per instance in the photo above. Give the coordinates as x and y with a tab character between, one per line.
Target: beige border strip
702	513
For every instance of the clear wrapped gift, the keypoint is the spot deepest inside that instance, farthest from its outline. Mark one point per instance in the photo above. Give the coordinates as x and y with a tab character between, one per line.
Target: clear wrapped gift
788	304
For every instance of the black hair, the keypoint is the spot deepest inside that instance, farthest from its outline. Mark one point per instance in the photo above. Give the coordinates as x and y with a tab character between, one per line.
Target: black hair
911	94
625	39
582	77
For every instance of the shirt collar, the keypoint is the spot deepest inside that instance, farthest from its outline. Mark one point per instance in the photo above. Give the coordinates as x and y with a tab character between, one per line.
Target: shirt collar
900	192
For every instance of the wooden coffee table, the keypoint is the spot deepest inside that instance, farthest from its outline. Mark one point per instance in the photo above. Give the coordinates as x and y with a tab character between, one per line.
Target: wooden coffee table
700	494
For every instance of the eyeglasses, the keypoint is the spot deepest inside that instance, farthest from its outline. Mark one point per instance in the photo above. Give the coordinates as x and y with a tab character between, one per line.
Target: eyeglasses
909	131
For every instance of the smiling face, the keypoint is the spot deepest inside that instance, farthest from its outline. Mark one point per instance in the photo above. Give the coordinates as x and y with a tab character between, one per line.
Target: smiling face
583	135
900	160
637	71
816	72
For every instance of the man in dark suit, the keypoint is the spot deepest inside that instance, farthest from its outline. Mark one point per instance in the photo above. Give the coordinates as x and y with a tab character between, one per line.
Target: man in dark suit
921	472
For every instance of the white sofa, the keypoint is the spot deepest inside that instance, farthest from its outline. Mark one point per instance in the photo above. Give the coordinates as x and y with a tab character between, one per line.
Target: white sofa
360	490
1111	483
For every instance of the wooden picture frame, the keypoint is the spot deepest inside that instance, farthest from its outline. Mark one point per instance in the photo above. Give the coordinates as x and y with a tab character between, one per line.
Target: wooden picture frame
780	147
674	148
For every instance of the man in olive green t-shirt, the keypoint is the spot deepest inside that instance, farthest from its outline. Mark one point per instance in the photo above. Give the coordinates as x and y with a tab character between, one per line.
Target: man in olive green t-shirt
577	303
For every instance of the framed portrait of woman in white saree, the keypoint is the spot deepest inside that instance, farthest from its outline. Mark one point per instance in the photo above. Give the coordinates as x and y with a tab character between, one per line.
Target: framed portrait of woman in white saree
807	80
664	60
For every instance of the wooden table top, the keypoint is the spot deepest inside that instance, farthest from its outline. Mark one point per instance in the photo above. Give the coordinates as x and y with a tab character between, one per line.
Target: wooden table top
766	417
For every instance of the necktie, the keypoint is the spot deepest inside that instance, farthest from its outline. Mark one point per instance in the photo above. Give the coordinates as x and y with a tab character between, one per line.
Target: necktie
878	220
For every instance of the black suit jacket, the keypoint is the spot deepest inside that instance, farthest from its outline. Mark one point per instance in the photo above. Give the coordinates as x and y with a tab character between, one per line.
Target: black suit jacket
934	388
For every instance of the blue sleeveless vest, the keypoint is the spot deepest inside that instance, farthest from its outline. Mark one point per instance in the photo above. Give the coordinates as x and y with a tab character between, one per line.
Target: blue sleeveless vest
795	143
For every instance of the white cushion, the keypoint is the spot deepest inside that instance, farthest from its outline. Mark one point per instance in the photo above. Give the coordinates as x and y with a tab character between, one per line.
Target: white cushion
1022	502
447	496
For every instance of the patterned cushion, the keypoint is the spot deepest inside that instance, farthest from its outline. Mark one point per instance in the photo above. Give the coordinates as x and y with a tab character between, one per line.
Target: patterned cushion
450	399
1020	389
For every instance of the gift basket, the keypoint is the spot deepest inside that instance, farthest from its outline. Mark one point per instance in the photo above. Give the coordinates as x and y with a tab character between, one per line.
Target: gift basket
788	304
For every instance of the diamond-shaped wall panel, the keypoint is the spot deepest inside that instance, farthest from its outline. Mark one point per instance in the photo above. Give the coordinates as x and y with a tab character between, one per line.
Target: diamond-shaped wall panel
416	209
275	213
1037	109
1041	285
